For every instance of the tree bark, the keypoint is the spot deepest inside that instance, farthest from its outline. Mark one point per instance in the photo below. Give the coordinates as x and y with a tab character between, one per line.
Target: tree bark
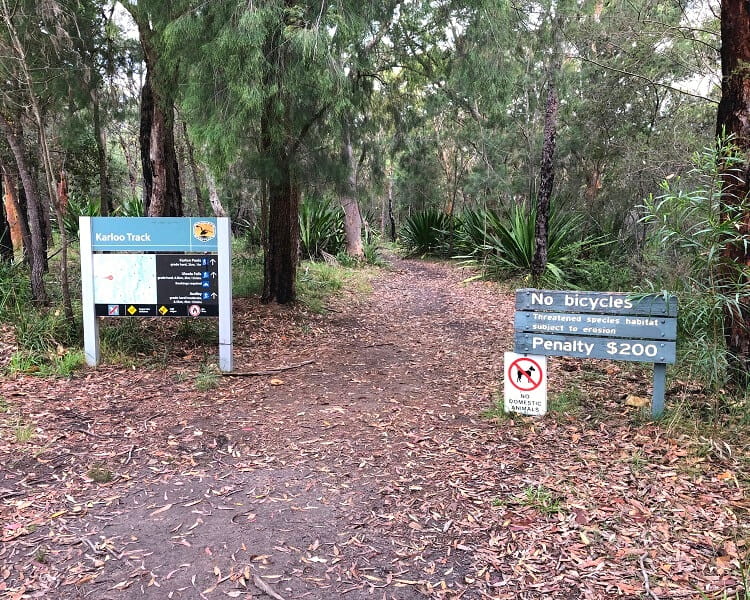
547	180
6	242
348	199
281	256
733	118
19	228
105	193
161	180
200	197
38	250
213	197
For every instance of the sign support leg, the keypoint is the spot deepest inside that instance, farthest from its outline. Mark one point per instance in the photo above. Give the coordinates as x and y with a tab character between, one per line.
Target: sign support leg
90	322
660	379
225	294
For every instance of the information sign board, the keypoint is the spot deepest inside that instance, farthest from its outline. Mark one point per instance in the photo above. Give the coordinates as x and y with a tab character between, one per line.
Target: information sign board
616	326
156	267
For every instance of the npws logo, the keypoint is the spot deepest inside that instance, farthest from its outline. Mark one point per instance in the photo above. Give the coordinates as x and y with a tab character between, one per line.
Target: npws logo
204	231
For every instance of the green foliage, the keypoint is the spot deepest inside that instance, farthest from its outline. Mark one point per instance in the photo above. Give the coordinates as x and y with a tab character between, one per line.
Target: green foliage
690	230
247	275
317	281
208	378
542	499
62	363
131	206
427	233
79	206
23	433
126	341
99	474
504	246
15	292
321	225
568	401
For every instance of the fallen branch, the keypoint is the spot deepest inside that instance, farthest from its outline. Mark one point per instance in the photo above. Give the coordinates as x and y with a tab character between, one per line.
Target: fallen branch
645	579
265	588
268	371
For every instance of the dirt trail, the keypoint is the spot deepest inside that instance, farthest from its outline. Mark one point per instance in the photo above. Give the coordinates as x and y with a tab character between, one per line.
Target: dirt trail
367	473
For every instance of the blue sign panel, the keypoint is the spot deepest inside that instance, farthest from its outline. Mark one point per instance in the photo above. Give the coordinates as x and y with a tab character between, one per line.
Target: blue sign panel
153	234
610	303
633	350
598	325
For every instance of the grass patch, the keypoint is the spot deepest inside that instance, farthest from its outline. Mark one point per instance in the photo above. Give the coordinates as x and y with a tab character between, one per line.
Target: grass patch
317	282
247	275
542	499
62	363
100	474
4	405
208	378
496	412
23	433
126	341
568	401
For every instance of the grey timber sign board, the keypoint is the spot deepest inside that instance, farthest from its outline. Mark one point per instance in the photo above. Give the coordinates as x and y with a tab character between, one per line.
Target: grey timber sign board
614	326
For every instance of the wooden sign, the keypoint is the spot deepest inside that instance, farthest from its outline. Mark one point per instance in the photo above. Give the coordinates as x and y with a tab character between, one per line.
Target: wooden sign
615	326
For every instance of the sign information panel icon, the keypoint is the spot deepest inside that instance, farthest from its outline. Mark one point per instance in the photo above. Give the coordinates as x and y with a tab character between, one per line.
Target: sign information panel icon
525	388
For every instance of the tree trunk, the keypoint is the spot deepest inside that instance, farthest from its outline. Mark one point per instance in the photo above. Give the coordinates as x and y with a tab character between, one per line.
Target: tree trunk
280	261
161	181
6	242
733	118
213	197
38	251
546	181
19	228
391	217
200	197
348	198
105	193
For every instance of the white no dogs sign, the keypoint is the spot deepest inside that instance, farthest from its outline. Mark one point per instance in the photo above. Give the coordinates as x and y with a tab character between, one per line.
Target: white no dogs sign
525	384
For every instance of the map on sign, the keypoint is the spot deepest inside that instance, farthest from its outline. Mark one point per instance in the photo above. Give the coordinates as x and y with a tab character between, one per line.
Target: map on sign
123	278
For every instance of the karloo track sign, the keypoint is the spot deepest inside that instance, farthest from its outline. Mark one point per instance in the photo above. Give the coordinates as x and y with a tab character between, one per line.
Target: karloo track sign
525	384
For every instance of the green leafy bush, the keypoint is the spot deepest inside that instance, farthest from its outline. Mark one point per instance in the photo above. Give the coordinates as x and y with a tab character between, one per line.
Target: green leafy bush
427	233
321	226
132	206
505	245
690	229
78	206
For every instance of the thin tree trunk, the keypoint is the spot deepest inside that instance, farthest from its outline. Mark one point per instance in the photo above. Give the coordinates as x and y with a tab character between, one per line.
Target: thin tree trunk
105	193
6	242
200	198
733	117
19	227
37	253
391	217
546	182
348	198
131	164
213	196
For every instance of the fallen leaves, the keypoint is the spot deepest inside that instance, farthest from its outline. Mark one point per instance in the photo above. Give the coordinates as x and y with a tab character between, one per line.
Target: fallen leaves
370	474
